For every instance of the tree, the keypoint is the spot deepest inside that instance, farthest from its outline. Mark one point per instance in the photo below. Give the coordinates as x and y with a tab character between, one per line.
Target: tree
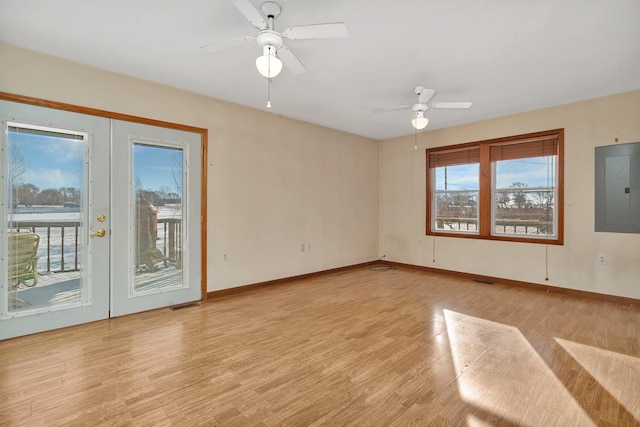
26	194
163	192
17	168
519	195
543	203
137	186
458	200
503	200
70	194
543	200
176	174
50	197
17	165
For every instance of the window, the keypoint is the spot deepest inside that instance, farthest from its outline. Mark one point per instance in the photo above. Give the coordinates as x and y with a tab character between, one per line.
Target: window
501	189
456	186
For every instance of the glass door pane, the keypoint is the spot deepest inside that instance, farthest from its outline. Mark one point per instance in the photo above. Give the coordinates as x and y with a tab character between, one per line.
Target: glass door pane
45	218
157	236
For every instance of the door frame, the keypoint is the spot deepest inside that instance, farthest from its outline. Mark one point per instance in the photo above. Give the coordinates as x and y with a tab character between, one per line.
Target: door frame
6	96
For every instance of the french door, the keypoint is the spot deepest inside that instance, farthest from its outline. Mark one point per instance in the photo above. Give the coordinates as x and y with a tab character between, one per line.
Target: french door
155	201
98	218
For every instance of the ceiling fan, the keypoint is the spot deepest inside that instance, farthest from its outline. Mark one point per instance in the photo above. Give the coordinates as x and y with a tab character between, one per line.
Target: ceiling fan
418	120
275	52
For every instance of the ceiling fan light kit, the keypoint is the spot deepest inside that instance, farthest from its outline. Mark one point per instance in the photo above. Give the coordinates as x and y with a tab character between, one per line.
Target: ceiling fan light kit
268	64
419	121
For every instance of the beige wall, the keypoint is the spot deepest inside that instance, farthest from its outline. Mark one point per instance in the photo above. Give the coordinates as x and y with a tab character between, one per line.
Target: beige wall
273	184
587	124
278	183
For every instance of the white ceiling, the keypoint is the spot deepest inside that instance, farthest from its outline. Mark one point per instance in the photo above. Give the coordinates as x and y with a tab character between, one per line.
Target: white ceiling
505	56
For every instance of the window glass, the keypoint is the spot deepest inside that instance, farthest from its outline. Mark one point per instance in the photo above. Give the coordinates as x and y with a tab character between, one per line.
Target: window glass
45	222
524	196
456	198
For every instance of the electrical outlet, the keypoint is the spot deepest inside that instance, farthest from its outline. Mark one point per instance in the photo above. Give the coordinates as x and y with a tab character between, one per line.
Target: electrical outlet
308	247
602	259
225	257
302	247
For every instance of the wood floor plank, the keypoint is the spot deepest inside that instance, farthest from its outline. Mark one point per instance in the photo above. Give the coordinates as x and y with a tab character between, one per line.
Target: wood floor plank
376	348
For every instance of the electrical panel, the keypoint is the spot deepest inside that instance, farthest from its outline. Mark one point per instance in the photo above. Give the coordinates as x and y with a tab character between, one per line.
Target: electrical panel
618	188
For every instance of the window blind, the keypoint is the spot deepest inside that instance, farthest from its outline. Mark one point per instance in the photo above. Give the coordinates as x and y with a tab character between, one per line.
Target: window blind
524	149
454	157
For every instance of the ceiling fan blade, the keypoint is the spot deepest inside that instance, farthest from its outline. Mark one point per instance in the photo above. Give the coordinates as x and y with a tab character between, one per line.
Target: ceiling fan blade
425	95
317	31
290	60
450	105
228	44
251	13
396	108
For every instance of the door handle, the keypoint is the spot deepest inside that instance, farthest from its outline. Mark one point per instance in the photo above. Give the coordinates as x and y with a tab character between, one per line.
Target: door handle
99	233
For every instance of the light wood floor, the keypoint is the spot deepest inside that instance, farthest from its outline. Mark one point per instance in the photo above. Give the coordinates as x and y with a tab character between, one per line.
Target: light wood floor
362	348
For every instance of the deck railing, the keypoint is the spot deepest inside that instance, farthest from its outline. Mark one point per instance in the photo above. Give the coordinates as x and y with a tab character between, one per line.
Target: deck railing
59	249
522	210
171	239
503	226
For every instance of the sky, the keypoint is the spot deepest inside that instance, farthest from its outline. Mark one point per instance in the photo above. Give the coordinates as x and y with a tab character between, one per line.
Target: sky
532	171
54	162
158	167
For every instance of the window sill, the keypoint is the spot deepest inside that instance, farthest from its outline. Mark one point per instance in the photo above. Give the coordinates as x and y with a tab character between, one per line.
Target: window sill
510	238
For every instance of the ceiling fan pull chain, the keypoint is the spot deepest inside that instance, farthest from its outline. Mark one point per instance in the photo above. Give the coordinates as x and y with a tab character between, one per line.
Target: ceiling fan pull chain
269	73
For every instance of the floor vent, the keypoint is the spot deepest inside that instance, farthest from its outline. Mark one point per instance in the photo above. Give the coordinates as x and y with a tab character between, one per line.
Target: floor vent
183	306
486	282
380	266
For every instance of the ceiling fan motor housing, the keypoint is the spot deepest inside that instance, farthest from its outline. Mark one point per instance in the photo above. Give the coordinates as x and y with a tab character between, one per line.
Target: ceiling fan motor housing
269	38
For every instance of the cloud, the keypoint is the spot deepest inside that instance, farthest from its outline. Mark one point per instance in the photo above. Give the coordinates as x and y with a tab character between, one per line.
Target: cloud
534	174
51	178
62	150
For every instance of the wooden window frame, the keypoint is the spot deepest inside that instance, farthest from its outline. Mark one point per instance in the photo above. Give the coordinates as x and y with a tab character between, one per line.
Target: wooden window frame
485	186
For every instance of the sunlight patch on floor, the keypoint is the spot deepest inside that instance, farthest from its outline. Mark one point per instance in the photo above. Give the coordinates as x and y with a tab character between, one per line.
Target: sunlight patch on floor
618	373
487	355
473	421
